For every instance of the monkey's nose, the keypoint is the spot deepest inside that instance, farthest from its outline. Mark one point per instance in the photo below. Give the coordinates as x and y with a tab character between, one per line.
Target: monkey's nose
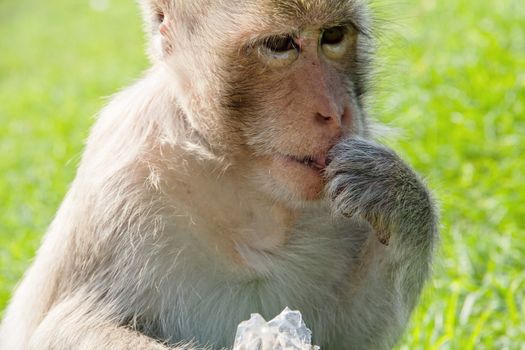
328	118
331	127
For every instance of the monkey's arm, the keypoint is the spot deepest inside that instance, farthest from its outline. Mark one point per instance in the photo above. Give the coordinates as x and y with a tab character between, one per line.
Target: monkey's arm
72	324
367	181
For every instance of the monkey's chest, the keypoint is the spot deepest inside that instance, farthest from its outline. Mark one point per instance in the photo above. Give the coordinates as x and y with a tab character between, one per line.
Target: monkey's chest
312	275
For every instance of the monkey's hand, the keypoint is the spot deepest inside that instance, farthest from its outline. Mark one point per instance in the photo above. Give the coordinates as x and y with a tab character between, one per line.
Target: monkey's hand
370	181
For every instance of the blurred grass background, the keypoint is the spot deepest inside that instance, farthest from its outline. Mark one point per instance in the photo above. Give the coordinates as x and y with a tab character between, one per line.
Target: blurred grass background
455	86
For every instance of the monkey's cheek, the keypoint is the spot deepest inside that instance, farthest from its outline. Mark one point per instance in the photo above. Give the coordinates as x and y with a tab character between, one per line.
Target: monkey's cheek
302	181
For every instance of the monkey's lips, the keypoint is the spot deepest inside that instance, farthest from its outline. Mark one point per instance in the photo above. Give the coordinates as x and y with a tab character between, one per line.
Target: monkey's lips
315	163
301	175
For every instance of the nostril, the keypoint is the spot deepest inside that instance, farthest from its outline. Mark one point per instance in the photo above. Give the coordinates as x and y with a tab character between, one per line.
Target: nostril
323	118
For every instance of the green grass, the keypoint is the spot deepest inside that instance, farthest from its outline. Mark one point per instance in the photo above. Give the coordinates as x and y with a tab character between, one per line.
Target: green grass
455	87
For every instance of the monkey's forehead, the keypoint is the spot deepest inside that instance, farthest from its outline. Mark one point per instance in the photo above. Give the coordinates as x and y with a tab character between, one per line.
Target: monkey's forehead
308	13
272	15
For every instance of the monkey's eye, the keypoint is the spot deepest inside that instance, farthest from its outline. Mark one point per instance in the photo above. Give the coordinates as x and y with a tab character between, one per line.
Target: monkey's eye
280	43
333	36
278	51
336	41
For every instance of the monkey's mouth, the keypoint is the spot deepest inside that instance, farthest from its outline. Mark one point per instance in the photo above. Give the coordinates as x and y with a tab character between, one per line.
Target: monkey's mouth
315	163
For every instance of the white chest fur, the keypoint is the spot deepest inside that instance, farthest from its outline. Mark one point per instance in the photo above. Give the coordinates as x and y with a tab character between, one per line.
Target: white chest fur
311	273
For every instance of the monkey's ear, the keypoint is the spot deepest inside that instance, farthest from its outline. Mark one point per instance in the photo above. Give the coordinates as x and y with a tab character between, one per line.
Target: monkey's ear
153	12
158	26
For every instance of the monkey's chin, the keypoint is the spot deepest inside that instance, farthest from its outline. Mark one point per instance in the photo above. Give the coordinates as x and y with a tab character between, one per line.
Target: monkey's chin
294	180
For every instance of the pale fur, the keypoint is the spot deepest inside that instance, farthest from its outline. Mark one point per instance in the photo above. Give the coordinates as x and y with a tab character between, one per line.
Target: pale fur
162	243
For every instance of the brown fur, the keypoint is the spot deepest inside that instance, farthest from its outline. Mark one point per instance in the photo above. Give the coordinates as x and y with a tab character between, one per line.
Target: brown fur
203	195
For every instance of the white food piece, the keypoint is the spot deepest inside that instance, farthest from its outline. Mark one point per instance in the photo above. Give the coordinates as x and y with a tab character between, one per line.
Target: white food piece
287	331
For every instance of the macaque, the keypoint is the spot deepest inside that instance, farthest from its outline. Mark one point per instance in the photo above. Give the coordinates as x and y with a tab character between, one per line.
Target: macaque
239	175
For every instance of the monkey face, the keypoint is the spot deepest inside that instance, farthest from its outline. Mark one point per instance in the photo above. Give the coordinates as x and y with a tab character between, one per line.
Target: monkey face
280	90
308	106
